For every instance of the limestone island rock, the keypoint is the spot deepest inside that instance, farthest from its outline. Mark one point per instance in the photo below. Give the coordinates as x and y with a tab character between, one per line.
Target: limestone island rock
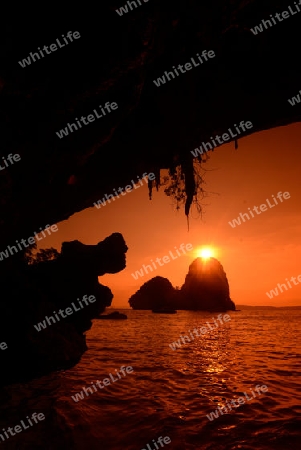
155	294
206	288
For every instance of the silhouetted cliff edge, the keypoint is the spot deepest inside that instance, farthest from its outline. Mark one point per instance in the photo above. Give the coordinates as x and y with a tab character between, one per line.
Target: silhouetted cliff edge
206	288
39	290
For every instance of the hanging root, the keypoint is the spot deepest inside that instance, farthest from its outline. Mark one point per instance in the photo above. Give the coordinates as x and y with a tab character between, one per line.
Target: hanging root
157	182
187	168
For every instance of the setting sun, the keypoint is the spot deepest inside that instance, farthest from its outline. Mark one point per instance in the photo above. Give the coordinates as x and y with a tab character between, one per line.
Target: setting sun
205	253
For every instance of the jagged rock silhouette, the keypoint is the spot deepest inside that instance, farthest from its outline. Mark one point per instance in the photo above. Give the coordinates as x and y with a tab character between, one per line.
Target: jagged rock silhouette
206	288
35	291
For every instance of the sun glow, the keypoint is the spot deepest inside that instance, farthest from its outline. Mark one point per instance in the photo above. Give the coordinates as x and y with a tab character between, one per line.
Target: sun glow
205	253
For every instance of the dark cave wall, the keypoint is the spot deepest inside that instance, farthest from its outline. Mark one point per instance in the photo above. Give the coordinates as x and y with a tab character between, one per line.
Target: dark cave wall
116	60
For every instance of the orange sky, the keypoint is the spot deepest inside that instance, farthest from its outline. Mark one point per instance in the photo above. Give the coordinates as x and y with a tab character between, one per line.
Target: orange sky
256	255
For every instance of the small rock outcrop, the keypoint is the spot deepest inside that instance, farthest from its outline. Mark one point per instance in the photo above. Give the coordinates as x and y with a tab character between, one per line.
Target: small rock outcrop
206	288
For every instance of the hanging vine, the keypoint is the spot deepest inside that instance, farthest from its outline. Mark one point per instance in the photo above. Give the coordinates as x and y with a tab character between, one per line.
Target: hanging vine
184	183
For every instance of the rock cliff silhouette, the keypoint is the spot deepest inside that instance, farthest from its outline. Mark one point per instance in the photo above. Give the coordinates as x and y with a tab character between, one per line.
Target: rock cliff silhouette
206	288
35	291
155	293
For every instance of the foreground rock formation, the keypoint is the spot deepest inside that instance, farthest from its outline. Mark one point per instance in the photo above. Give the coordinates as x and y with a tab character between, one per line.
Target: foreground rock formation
39	290
206	288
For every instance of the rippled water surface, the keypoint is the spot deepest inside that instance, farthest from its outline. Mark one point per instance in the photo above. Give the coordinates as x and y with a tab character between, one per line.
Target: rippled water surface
170	393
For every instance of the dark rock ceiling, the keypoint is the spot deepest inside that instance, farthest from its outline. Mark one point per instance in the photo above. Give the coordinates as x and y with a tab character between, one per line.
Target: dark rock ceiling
116	60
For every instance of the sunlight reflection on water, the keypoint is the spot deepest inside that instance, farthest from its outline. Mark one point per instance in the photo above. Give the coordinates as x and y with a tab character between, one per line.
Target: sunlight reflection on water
170	391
